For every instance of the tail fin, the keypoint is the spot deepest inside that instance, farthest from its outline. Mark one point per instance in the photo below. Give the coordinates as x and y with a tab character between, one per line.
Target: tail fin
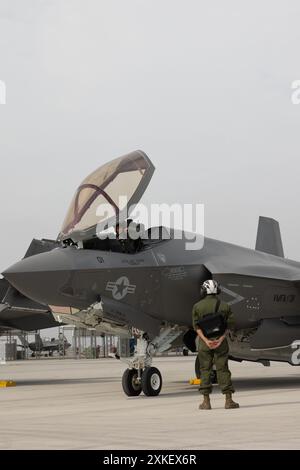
268	237
24	342
38	342
40	246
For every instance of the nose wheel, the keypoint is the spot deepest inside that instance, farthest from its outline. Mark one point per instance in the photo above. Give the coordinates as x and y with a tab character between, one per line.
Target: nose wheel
148	381
151	382
140	376
131	382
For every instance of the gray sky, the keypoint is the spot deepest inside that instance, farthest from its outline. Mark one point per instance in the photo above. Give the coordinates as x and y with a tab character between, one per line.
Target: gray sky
204	88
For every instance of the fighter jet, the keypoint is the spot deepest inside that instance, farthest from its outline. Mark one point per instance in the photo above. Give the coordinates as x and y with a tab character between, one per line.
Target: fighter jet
98	283
47	346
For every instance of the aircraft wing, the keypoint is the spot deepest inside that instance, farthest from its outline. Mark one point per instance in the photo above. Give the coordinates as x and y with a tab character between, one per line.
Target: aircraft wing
224	258
20	313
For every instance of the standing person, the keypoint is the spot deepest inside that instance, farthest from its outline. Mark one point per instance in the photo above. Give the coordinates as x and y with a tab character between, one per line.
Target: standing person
213	350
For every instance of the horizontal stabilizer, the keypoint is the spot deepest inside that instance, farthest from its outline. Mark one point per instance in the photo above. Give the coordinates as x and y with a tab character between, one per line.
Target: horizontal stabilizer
268	237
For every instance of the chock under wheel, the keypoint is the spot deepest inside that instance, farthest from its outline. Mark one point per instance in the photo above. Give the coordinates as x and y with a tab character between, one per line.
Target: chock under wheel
195	381
7	383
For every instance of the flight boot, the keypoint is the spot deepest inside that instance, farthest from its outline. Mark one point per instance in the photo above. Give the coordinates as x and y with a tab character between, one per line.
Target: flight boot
205	405
229	403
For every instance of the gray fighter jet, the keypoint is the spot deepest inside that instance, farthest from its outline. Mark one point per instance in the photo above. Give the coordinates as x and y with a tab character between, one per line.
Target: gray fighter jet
101	284
47	346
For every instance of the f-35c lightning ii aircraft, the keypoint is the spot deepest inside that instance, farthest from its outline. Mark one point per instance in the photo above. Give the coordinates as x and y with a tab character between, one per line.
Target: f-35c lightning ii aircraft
92	282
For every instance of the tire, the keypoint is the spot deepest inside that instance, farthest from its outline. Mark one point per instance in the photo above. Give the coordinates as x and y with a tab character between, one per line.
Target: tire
185	352
130	387
151	382
214	379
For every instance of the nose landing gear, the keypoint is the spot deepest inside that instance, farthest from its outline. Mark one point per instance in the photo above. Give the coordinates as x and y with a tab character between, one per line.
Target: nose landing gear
148	381
141	376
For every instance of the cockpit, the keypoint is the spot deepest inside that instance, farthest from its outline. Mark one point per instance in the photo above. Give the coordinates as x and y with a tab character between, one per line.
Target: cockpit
148	239
104	201
107	194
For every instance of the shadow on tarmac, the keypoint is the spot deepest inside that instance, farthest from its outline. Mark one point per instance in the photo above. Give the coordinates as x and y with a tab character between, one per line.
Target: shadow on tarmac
243	384
86	380
240	384
265	383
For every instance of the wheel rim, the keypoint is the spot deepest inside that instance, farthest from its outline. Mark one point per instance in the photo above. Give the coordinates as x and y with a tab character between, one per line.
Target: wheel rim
135	383
155	381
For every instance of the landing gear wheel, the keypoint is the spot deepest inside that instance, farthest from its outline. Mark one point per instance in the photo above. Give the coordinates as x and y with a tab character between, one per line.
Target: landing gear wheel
151	381
214	379
131	386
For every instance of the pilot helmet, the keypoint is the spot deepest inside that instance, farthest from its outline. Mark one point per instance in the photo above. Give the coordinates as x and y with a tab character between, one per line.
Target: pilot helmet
210	287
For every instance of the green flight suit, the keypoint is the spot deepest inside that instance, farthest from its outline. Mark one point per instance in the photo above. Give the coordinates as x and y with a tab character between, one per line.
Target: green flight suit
219	356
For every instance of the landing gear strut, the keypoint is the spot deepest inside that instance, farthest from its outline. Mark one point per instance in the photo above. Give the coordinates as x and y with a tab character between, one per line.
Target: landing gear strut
140	375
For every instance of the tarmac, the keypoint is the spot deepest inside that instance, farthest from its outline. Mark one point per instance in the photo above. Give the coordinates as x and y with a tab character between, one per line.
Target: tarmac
80	404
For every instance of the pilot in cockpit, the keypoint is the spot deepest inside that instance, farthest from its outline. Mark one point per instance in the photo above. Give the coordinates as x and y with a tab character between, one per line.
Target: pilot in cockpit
128	235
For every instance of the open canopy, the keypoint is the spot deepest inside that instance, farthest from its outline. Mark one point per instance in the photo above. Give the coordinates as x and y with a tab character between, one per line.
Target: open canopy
107	194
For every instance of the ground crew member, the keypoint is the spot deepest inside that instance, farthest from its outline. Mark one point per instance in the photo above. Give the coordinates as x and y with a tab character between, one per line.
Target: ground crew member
214	350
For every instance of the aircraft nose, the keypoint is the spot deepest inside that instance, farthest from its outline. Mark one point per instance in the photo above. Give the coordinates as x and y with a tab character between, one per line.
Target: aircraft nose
41	277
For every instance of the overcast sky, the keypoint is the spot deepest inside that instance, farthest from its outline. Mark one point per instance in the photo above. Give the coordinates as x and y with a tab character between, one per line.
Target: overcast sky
204	88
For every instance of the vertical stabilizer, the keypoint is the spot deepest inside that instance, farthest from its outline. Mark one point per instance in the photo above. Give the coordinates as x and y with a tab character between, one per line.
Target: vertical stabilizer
268	237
